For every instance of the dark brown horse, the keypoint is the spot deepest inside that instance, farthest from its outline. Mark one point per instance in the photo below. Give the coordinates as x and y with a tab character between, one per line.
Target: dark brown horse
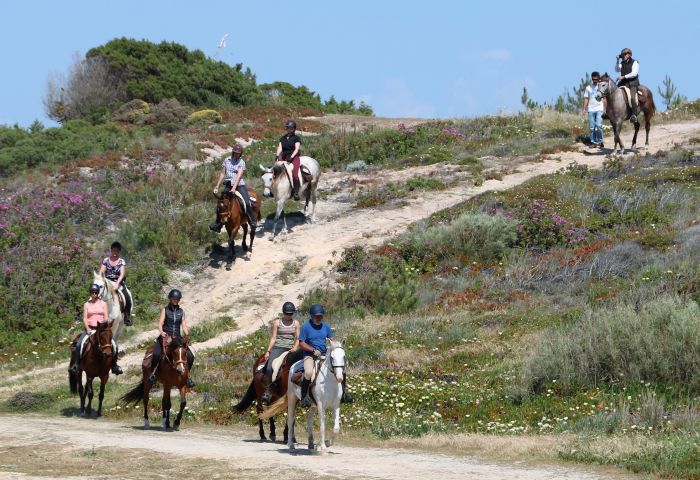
95	362
173	372
277	390
231	214
618	110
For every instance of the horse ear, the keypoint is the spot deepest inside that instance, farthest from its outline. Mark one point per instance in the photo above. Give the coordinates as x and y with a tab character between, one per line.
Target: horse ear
262	168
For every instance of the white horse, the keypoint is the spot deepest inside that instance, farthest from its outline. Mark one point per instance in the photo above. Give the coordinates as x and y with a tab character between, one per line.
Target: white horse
109	294
327	392
278	184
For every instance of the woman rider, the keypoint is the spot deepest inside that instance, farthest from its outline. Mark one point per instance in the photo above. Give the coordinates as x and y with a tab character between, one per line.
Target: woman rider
232	175
288	150
114	268
312	340
94	313
172	322
284	337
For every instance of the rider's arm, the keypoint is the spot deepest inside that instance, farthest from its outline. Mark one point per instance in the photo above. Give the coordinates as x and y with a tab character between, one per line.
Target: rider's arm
305	346
221	177
161	321
185	330
85	322
273	337
295	347
279	150
122	272
103	268
618	64
297	147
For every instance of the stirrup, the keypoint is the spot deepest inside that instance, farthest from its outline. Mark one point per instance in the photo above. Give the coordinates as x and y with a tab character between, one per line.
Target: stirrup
75	368
152	378
306	401
346	398
189	383
128	321
215	227
296	195
117	370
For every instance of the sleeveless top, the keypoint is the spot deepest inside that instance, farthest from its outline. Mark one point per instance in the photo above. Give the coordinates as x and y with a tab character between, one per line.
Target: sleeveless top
285	335
112	272
625	68
95	312
173	320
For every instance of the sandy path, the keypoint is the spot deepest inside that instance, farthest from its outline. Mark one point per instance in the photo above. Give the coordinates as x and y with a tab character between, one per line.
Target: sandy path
237	453
257	299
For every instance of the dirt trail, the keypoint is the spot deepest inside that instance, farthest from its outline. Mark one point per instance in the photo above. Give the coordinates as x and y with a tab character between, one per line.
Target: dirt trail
32	439
252	292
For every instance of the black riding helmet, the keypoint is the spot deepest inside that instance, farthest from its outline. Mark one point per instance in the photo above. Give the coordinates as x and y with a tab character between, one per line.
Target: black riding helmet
175	293
288	308
291	124
94	288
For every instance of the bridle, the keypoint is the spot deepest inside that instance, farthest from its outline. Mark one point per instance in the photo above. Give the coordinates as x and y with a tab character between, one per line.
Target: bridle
333	365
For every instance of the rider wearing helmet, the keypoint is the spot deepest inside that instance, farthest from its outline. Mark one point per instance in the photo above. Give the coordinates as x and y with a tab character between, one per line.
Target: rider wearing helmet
94	312
629	77
172	322
114	269
232	175
289	150
312	341
284	337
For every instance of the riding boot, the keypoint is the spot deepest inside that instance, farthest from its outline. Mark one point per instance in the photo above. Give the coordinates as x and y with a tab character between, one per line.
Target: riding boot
216	226
297	185
305	399
127	319
346	398
116	369
155	363
189	383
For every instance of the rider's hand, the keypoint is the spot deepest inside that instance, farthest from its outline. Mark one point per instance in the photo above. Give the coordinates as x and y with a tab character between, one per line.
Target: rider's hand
317	353
216	190
267	355
163	334
187	338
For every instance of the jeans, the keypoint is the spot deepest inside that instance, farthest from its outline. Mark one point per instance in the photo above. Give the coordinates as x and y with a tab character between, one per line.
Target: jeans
595	124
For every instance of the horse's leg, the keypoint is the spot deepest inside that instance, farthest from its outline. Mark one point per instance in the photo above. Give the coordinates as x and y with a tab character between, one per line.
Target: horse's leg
291	408
278	212
244	245
286	432
273	434
647	127
103	384
616	132
322	426
310	427
336	424
261	431
90	394
146	395
166	405
231	248
634	138
183	404
313	202
81	392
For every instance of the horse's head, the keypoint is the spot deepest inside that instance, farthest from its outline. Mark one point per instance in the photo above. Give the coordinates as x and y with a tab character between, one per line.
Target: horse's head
104	338
337	359
223	207
604	87
267	178
176	352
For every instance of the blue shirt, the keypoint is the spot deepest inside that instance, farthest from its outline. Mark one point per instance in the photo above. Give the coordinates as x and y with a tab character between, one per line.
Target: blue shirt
315	336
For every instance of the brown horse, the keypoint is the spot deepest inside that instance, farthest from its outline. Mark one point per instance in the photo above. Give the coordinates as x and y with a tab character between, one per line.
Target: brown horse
173	372
277	390
231	214
618	110
95	362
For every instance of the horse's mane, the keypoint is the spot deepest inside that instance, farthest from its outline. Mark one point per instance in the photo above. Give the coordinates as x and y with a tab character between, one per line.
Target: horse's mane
277	168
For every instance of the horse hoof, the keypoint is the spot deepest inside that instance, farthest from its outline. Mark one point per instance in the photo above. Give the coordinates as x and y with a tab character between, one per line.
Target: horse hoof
311	446
273	438
328	443
176	426
146	424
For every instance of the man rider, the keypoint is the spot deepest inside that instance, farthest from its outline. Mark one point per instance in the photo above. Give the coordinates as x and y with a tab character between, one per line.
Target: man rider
629	77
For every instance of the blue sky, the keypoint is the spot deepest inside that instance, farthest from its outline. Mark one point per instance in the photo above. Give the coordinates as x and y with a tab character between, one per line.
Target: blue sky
405	58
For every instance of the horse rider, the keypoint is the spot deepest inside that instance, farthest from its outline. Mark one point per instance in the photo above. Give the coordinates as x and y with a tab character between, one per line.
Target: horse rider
629	77
114	268
312	341
289	150
94	313
232	175
284	338
172	322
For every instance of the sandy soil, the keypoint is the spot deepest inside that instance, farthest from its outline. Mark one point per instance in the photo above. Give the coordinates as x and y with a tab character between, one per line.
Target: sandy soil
37	447
252	293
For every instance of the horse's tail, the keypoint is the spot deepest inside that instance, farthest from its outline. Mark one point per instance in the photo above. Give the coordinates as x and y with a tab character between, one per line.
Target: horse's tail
247	399
278	407
73	380
652	106
135	395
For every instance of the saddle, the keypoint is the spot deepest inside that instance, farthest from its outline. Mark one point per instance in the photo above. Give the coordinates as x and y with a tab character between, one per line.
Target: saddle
147	363
298	372
628	97
277	365
241	202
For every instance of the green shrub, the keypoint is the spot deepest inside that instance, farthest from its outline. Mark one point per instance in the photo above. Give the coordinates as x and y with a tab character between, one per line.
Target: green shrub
203	118
659	344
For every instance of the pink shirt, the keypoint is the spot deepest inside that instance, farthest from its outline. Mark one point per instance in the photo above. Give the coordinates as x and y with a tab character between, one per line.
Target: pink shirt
95	312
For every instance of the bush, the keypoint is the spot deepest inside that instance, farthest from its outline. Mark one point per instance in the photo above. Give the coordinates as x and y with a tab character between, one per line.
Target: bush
658	344
203	118
133	111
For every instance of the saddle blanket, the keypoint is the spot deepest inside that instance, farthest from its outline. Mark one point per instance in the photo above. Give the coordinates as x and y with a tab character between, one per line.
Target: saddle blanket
628	98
